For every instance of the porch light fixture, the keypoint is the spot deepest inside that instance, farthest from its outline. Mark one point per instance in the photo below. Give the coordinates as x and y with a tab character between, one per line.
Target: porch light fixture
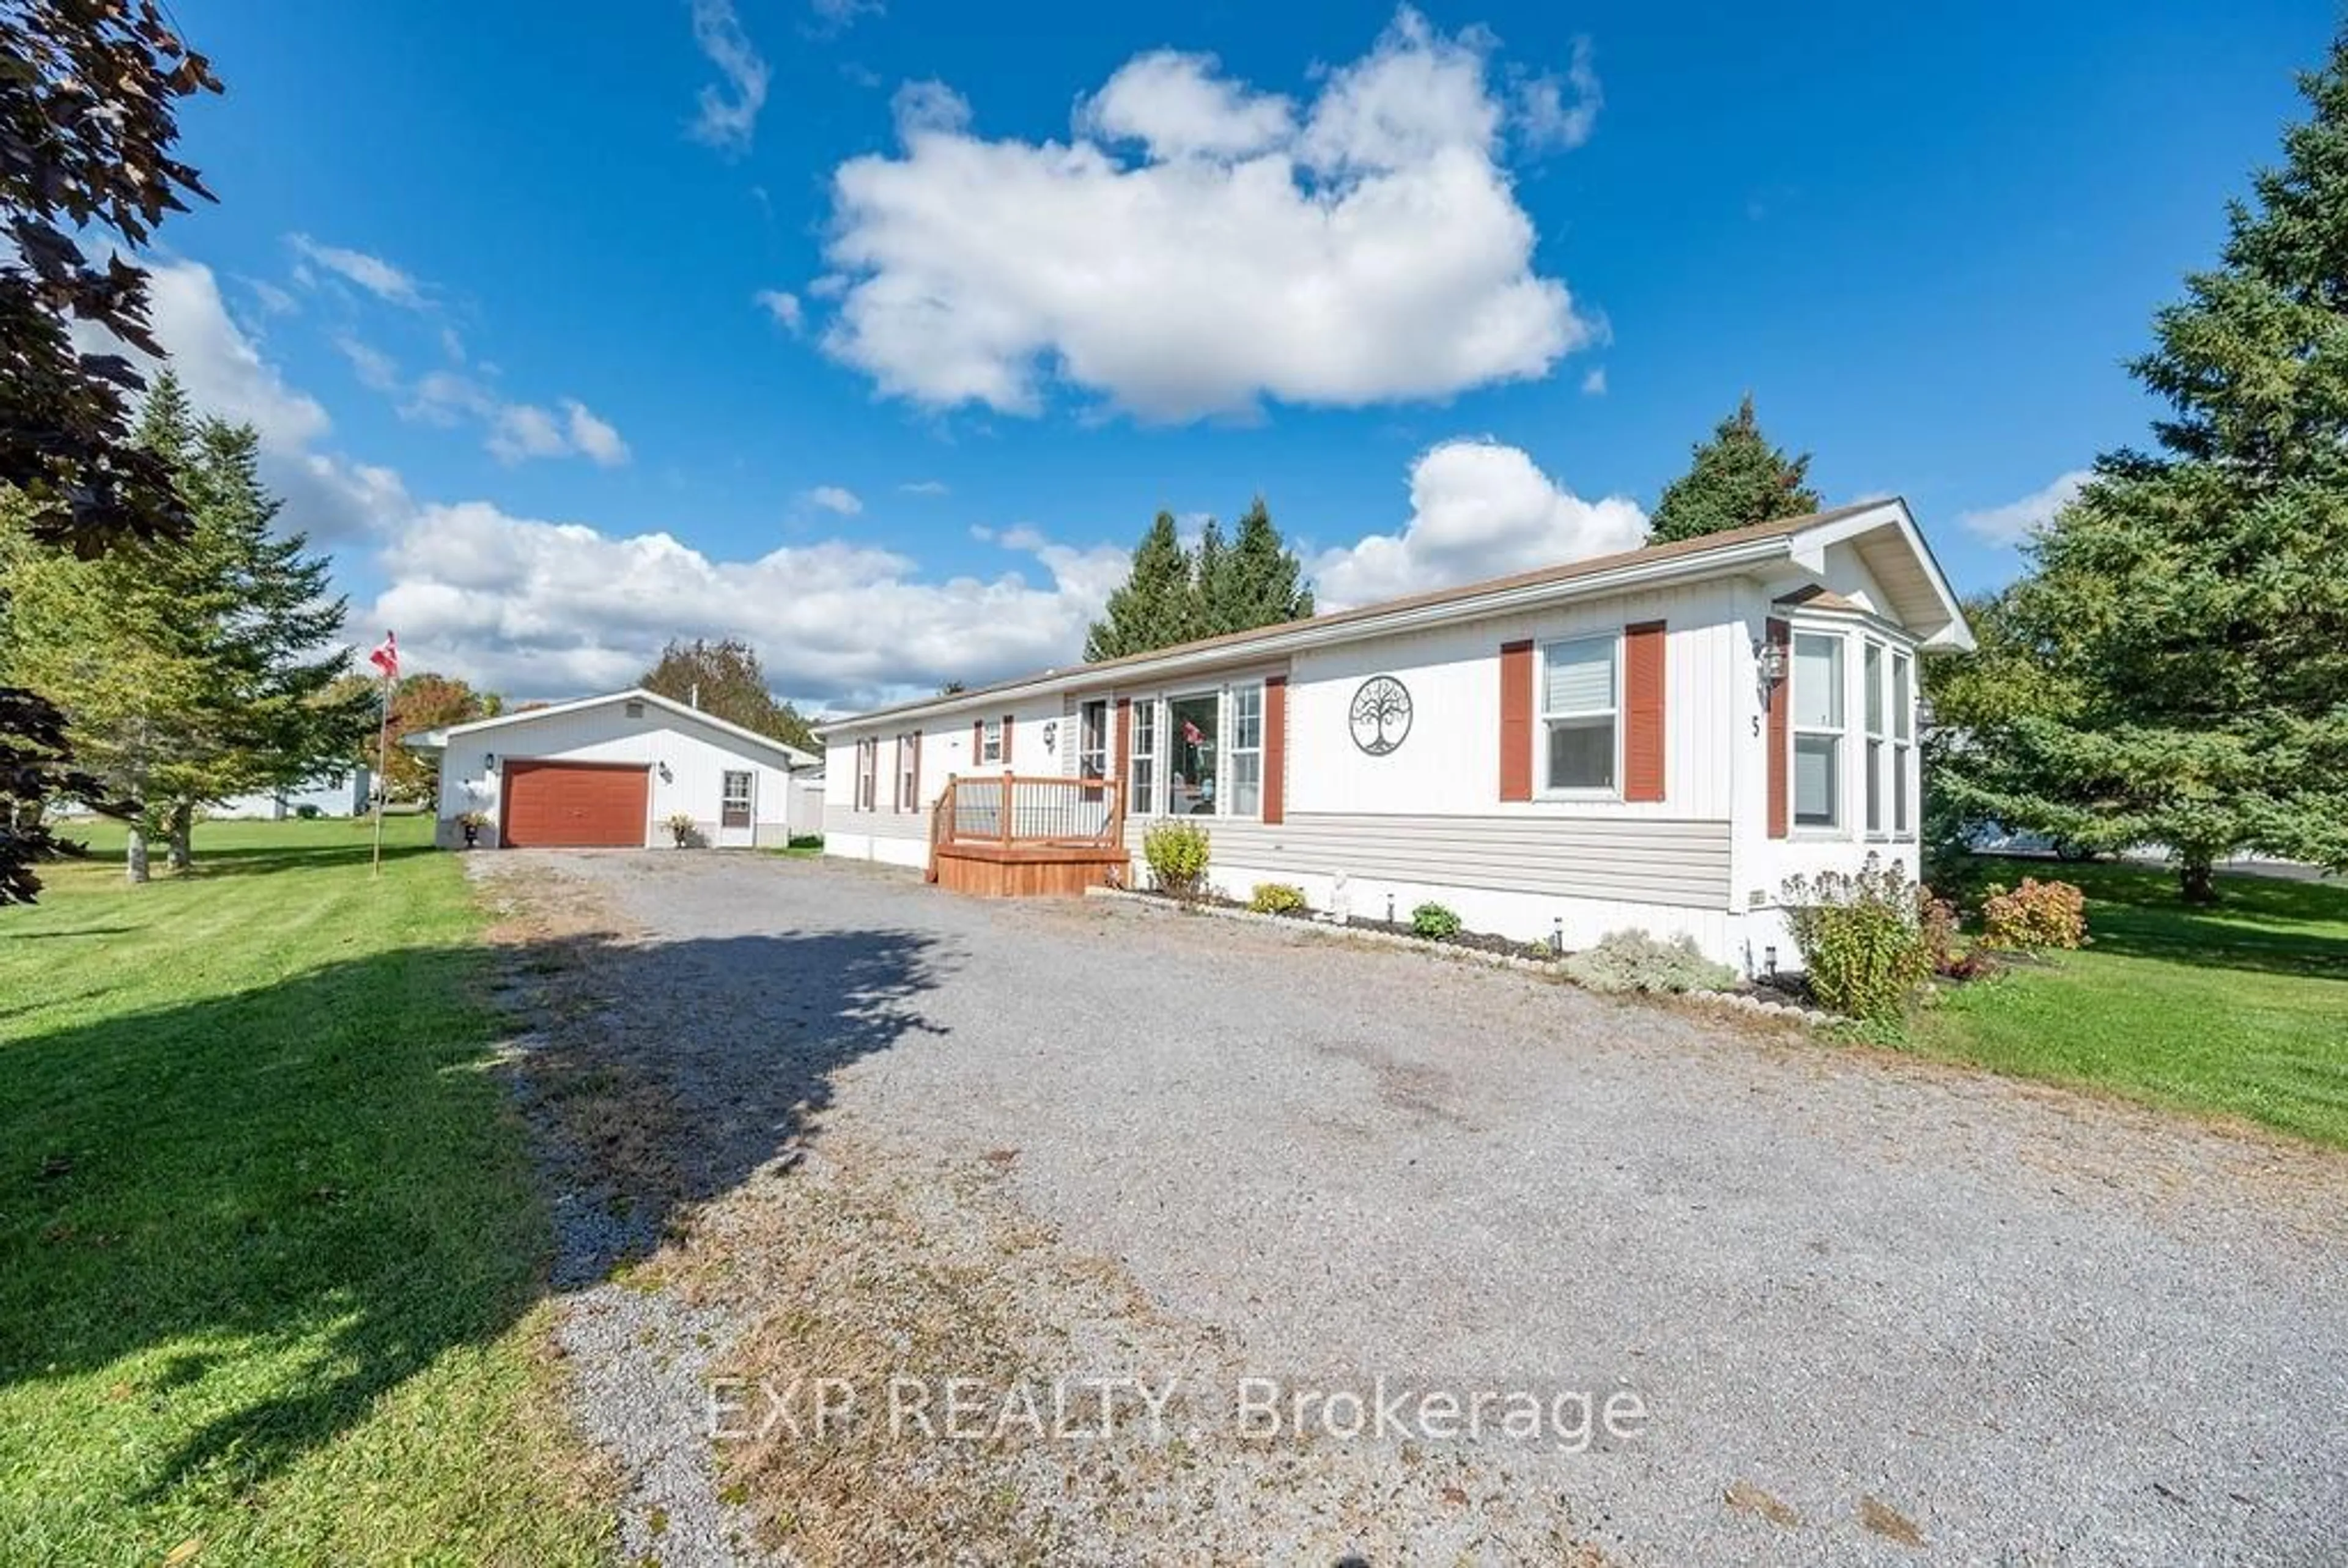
1771	658
490	760
667	776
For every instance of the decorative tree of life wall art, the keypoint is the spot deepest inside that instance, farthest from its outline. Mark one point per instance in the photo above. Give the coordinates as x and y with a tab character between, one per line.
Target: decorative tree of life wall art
1380	715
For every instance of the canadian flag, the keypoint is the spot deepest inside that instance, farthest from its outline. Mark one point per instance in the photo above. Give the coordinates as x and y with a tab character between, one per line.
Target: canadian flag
386	658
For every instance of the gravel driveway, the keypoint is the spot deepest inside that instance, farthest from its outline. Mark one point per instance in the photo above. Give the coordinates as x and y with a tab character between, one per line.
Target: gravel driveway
1875	1310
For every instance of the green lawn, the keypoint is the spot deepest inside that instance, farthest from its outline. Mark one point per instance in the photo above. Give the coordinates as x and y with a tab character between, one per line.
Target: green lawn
270	1252
2239	1009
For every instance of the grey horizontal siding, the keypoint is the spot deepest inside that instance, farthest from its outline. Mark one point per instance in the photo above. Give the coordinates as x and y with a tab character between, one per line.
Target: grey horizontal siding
876	823
1635	859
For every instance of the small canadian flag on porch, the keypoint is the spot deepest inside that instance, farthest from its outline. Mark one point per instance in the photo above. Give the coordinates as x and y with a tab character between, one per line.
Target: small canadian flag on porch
386	658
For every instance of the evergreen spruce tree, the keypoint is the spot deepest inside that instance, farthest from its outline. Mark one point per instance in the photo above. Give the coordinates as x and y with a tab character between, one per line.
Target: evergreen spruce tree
2188	610
1736	480
1262	580
1210	584
1157	605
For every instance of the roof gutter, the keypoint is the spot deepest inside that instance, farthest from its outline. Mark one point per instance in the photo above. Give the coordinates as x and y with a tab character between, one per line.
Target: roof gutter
1312	635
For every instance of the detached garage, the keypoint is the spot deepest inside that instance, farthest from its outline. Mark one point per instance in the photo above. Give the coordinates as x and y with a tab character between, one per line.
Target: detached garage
609	773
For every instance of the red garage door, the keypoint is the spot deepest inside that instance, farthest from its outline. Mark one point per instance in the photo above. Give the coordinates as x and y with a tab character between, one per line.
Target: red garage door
570	805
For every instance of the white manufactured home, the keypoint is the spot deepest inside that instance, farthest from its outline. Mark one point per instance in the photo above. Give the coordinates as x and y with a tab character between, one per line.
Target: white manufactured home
609	772
1656	739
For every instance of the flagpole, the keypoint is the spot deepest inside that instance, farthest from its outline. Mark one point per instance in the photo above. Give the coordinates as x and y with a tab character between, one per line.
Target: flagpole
382	773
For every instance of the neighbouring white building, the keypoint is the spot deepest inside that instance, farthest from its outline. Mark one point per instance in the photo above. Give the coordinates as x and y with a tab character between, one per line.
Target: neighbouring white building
345	793
1656	739
609	772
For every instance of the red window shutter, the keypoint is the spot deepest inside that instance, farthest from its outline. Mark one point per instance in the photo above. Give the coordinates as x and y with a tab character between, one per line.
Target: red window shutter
1517	721
1275	748
1006	741
1781	637
977	743
916	804
1121	764
1643	711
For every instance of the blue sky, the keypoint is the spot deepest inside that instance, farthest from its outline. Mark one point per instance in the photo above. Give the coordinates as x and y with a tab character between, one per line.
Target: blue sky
1454	289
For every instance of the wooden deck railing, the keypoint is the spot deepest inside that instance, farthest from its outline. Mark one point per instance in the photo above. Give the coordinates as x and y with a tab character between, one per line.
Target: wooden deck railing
1016	811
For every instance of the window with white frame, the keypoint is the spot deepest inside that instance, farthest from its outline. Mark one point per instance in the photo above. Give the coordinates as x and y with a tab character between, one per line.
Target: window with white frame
1092	740
909	772
1142	776
1903	742
1579	708
1873	674
1246	796
990	740
1818	725
868	764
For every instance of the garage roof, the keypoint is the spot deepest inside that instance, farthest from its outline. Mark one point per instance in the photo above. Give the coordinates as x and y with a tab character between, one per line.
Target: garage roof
438	740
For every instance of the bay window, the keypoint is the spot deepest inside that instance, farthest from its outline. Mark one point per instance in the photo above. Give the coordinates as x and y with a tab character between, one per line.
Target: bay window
1578	713
1871	679
1198	753
1818	725
1903	741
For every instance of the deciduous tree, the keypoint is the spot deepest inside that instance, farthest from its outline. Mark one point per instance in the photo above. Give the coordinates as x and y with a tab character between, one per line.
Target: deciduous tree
725	678
87	124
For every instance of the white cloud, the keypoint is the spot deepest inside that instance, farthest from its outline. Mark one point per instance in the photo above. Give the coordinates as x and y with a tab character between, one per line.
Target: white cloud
1478	510
2016	520
833	16
727	115
522	431
375	369
835	498
1594	383
1371	252
931	488
592	437
373	273
273	299
1546	114
784	307
1175	105
326	496
538	609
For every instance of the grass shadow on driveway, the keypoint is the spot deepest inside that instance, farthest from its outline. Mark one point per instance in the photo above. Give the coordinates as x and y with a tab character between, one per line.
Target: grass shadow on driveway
231	1228
666	1074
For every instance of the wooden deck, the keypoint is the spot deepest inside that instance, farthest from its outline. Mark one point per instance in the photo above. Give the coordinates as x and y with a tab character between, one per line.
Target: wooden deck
1012	837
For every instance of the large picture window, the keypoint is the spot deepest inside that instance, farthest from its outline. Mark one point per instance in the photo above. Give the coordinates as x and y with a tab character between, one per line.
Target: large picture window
1247	751
1143	773
1193	741
1578	713
1819	724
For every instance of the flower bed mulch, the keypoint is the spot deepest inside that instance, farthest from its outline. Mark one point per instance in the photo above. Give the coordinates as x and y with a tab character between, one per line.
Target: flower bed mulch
1481	941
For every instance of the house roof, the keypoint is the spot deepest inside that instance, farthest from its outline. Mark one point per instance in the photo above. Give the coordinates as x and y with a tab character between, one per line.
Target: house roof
1907	571
438	740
